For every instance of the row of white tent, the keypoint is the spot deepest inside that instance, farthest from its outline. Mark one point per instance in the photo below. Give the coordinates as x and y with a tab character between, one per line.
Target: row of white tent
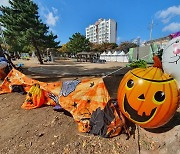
117	56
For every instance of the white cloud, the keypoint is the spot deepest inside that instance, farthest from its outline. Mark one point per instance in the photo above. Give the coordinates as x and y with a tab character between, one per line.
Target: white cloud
173	27
168	14
4	3
55	11
166	20
51	19
49	14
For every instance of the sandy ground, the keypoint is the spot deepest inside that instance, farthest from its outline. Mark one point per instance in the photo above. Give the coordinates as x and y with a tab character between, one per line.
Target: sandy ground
43	130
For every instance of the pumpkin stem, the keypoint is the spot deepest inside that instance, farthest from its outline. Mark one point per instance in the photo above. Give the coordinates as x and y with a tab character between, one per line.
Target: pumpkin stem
157	62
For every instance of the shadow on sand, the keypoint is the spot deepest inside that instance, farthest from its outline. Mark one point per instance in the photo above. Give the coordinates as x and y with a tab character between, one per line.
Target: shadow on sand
175	121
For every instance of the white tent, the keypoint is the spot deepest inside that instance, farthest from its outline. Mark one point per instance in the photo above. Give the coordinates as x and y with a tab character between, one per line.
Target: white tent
108	56
118	56
114	56
122	57
103	56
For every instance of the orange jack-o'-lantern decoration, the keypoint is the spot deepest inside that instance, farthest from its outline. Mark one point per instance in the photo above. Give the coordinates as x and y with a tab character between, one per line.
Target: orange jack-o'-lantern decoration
148	96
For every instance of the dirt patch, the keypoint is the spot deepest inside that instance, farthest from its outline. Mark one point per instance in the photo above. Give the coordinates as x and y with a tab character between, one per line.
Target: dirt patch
43	130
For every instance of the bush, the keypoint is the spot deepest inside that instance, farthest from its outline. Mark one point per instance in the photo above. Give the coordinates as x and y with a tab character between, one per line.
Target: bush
138	64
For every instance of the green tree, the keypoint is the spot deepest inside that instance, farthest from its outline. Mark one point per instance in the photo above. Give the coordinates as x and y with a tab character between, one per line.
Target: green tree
103	47
50	41
125	46
78	43
63	48
24	28
95	47
108	46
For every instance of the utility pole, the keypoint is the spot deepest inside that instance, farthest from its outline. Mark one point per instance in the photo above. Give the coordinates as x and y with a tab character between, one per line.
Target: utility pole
151	28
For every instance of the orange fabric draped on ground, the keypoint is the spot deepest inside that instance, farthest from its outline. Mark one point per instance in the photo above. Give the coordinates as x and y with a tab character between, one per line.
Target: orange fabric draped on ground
81	98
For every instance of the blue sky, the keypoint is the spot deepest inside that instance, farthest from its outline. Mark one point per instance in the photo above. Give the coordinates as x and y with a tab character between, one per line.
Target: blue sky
133	17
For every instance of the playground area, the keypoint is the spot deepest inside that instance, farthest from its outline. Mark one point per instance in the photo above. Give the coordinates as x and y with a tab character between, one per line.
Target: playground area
43	130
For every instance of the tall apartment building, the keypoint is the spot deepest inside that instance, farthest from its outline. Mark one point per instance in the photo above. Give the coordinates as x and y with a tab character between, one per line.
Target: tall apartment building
102	31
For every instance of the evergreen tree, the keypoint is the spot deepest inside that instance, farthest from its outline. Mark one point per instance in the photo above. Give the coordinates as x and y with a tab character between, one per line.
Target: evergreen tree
49	41
24	28
78	43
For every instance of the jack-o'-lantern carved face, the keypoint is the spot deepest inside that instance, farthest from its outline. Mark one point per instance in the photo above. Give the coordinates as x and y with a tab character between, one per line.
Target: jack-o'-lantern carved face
148	97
